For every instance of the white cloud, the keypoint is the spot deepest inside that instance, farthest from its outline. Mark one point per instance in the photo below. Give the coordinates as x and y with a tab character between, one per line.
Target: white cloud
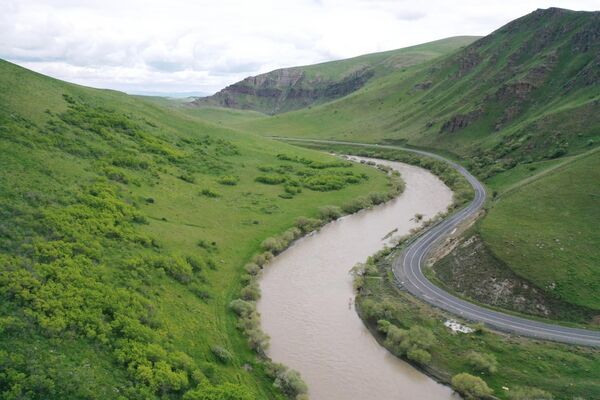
192	45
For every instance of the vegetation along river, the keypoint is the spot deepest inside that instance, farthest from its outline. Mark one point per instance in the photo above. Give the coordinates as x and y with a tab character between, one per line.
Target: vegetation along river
307	303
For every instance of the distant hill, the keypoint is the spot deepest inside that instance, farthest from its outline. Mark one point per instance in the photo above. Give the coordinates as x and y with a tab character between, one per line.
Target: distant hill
293	88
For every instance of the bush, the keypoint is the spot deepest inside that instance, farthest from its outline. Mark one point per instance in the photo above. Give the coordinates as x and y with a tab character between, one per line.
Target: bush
378	198
330	213
419	356
229	180
357	204
252	269
242	307
412	343
271	179
206	192
263	259
471	387
274	245
528	393
258	340
187	177
222	354
307	224
290	383
482	362
250	292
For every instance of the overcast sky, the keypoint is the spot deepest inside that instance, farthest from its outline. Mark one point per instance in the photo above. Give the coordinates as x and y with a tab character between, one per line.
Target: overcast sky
197	45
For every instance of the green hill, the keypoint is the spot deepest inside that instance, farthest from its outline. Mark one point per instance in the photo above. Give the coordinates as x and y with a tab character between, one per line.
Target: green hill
526	92
124	229
298	87
512	103
546	230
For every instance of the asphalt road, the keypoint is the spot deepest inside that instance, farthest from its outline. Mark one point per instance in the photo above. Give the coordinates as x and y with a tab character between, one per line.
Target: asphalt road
408	271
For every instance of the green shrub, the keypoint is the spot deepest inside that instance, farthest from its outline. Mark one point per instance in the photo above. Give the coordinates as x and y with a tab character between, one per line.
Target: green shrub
419	355
471	387
271	179
330	213
222	354
307	224
482	362
207	192
226	391
242	307
187	177
228	180
378	198
258	340
251	292
290	383
357	204
252	269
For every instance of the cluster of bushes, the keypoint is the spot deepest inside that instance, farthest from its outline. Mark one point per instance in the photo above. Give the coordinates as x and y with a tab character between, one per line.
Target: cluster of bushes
463	192
314	164
317	176
413	343
288	381
471	387
277	244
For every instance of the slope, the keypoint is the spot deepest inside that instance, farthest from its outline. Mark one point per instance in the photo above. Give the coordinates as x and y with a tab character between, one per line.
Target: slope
124	227
298	87
526	92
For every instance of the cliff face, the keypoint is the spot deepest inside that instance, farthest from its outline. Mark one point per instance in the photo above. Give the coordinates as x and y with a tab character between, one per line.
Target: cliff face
285	90
298	87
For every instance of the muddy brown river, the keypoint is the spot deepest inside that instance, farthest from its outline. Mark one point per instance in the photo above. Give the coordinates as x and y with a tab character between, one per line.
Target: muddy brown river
307	303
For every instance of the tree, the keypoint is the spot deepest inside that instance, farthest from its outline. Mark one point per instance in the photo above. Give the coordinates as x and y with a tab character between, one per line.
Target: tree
482	362
471	387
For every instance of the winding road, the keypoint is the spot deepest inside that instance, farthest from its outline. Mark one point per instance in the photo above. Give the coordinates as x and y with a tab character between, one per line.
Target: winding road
408	266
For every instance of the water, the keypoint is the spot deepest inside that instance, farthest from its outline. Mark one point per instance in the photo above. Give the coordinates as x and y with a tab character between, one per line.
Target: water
307	303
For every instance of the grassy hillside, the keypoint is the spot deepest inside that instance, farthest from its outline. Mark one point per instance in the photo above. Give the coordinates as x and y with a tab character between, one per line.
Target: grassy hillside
298	87
556	219
527	92
124	228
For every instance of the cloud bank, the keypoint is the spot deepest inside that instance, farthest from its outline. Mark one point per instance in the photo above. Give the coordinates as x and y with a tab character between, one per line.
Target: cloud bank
185	46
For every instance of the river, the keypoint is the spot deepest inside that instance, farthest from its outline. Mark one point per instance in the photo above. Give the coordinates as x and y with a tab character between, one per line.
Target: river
307	304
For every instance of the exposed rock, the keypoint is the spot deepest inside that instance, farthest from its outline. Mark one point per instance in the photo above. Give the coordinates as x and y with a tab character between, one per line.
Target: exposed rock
514	91
460	121
285	89
423	85
473	271
468	60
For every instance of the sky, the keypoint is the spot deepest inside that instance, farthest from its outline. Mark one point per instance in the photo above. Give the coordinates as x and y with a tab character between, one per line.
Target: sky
200	46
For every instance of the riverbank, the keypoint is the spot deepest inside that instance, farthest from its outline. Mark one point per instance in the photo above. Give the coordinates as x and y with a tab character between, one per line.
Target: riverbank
563	371
307	300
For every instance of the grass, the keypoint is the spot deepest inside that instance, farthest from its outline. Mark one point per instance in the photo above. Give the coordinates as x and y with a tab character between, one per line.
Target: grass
120	248
556	217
